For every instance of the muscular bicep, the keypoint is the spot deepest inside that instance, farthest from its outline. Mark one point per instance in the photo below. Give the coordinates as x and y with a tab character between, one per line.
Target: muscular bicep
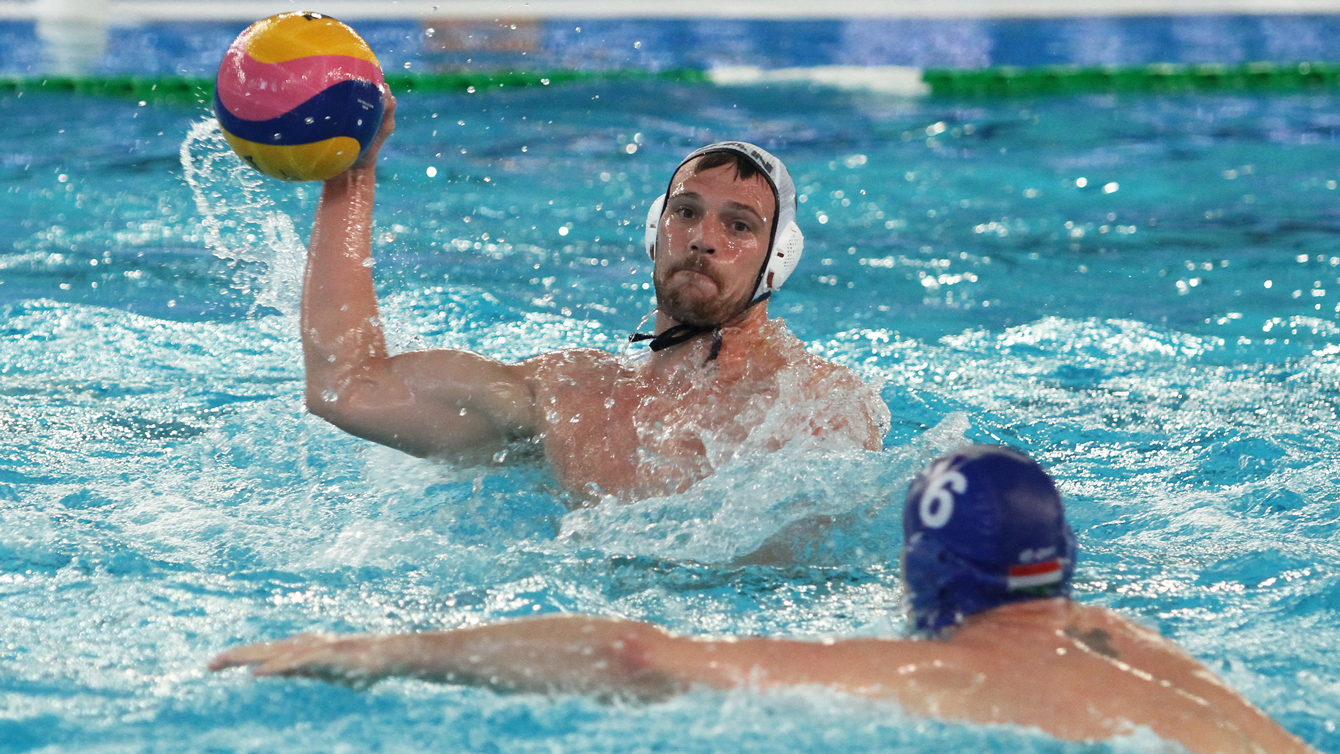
449	404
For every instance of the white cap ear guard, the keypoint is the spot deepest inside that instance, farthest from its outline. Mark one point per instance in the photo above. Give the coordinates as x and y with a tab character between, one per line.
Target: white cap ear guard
782	261
653	224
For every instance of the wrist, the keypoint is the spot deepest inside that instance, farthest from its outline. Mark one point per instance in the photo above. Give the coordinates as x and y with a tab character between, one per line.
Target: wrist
355	175
354	182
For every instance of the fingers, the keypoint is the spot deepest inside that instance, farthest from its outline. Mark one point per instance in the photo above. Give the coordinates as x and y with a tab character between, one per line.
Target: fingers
368	160
268	654
327	657
388	116
238	657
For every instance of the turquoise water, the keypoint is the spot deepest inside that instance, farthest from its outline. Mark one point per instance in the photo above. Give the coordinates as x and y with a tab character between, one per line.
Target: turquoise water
1142	292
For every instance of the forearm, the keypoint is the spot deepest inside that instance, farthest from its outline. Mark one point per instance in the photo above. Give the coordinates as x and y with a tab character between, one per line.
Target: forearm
341	329
559	654
438	403
577	655
602	657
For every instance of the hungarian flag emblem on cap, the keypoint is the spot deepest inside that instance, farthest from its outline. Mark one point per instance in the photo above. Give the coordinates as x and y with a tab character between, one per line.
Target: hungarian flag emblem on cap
1032	575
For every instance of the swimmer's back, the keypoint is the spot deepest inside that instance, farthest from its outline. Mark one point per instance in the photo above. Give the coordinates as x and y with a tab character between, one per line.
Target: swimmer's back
1088	673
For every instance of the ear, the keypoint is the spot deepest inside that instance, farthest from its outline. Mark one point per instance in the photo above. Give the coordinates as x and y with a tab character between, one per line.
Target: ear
653	223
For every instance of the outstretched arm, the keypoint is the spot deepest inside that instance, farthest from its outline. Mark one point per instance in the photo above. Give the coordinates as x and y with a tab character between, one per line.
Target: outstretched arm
578	654
560	654
984	682
440	403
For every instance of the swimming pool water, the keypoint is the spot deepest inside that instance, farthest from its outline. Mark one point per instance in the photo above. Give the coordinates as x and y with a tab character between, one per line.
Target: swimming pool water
1142	292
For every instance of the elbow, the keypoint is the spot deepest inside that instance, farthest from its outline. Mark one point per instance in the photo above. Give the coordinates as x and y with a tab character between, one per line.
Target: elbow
321	387
337	408
360	410
335	394
322	403
639	675
316	406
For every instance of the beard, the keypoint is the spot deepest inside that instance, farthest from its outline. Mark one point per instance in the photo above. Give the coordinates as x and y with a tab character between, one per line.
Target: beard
689	305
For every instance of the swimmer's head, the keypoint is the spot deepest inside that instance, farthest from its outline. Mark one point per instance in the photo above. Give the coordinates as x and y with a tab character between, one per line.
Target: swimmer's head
983	527
785	241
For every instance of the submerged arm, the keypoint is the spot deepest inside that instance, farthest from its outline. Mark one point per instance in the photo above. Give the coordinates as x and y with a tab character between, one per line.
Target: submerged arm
444	403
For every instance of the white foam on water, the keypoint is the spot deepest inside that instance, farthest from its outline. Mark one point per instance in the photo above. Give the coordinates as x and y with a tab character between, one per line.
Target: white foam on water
751	499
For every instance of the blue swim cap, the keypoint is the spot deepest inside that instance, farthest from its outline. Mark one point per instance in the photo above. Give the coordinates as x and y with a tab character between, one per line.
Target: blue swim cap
983	527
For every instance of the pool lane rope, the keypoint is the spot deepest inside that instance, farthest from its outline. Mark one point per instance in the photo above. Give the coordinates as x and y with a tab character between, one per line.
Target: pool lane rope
992	82
200	89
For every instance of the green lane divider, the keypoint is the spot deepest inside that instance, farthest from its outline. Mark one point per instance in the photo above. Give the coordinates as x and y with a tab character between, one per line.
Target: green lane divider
1004	81
194	89
998	81
157	89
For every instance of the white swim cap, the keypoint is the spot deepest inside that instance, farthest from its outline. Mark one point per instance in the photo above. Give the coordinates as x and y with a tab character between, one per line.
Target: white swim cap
786	242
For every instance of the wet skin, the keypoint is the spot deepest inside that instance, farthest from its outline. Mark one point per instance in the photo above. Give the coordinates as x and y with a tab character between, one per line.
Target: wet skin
1078	673
711	243
608	426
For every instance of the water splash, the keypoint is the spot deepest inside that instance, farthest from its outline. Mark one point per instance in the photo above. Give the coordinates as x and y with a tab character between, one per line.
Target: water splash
241	220
785	501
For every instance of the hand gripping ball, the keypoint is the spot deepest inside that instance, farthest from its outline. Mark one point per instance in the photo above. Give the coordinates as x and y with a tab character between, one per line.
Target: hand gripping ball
299	96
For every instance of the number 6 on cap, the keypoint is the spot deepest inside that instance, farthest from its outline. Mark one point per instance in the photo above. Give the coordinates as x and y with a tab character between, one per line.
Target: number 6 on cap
937	502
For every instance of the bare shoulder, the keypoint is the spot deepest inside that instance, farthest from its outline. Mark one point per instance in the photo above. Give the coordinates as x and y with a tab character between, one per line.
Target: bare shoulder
1220	719
840	402
832	374
1110	634
816	371
573	363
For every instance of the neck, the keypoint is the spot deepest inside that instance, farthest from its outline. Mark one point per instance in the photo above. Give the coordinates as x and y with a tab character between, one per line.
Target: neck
1044	611
738	338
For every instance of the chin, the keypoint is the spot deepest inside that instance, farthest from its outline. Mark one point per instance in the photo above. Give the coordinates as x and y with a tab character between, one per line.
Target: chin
697	312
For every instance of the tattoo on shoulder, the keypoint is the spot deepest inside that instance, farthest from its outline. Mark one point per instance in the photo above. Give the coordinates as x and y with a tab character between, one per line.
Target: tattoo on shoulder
1096	640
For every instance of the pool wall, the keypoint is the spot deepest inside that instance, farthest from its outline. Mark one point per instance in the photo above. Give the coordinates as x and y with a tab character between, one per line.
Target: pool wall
429	45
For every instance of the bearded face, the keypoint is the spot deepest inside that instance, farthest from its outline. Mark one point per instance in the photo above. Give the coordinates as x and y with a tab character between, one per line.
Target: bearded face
712	242
696	292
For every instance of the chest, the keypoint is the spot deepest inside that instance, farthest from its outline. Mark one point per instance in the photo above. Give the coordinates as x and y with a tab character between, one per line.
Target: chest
630	436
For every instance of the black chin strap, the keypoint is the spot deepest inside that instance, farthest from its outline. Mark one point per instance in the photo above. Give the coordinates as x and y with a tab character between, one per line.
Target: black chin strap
680	334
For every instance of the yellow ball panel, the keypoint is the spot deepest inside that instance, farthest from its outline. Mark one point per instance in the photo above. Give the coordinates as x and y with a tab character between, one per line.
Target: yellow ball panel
305	162
289	36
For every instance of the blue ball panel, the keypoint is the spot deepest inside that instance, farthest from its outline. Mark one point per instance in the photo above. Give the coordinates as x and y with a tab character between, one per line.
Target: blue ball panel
350	108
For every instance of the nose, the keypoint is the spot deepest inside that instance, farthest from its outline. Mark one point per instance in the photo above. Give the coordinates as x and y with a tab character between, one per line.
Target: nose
707	236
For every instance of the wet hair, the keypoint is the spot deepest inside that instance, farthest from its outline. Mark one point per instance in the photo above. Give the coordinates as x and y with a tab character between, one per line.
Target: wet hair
744	168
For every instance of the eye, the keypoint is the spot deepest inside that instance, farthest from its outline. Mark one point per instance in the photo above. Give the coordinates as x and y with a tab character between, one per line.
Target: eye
741	226
684	211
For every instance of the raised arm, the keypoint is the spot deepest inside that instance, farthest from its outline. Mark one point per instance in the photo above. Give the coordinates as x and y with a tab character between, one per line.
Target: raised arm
432	403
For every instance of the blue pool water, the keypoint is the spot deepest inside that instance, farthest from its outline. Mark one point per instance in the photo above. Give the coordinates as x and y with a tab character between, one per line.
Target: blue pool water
1142	292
